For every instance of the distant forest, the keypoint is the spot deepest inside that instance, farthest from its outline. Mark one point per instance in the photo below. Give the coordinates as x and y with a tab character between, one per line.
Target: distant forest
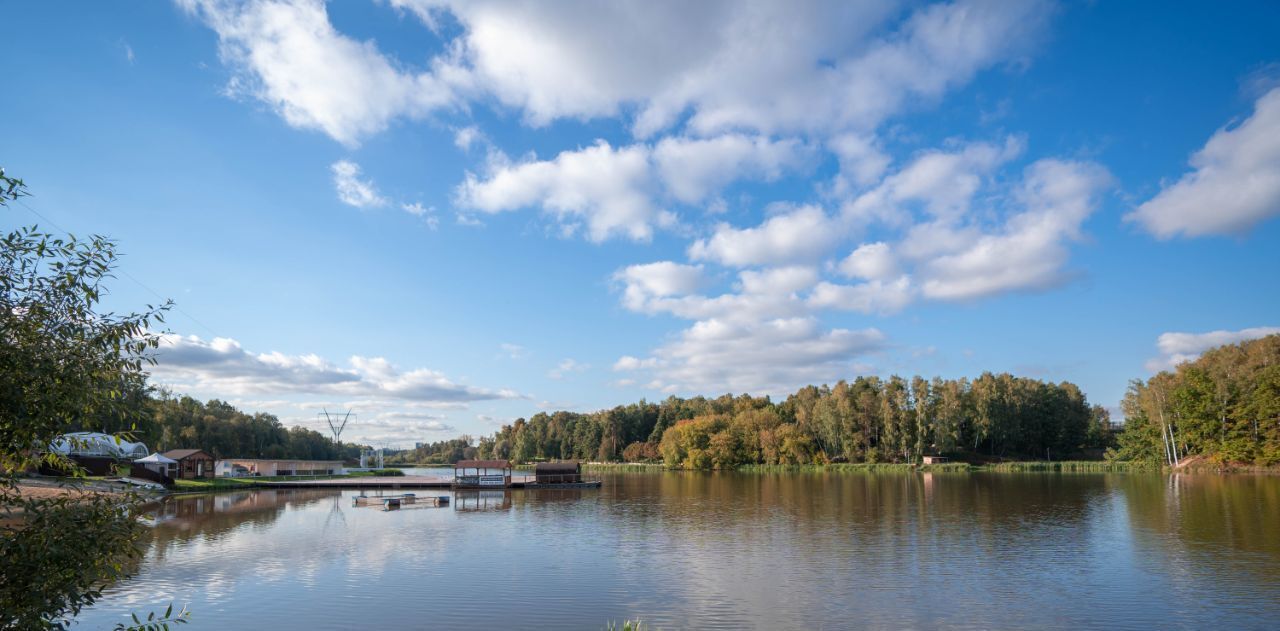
165	422
867	420
1223	407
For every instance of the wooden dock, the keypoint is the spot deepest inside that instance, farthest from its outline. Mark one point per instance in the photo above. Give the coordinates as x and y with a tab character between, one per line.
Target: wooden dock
397	502
383	482
414	482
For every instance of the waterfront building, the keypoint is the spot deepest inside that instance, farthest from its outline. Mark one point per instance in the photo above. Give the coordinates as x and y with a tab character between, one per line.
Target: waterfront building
557	472
482	473
192	463
265	467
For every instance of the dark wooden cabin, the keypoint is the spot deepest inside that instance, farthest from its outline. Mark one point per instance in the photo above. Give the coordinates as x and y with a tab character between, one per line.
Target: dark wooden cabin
557	472
192	463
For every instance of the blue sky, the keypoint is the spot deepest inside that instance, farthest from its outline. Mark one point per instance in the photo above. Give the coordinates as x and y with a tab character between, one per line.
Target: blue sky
448	216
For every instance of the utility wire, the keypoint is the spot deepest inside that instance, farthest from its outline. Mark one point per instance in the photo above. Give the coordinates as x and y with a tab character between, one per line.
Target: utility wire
124	273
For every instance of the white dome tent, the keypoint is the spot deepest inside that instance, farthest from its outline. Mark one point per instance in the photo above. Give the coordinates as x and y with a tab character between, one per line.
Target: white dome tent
159	463
97	444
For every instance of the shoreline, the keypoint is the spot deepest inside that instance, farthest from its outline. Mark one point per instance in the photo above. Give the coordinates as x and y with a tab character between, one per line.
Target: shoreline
1021	466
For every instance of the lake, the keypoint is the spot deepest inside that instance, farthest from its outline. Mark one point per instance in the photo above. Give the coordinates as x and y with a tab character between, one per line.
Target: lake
730	551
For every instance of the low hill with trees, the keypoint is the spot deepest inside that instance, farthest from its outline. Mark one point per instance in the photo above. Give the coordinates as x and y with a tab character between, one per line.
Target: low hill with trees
1223	408
867	420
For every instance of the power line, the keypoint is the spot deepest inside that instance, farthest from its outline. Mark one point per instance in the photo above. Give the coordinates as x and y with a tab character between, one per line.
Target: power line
122	272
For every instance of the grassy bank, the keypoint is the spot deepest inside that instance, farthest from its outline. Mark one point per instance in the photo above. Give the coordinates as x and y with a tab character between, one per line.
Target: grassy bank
213	484
221	484
859	467
622	466
607	466
1069	466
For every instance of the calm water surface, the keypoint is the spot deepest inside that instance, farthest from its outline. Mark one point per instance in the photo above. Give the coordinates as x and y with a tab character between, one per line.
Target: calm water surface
730	551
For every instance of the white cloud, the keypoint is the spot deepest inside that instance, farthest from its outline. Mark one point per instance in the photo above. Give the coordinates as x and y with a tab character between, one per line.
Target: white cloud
657	280
417	209
771	356
757	295
465	137
382	428
1176	348
608	189
619	192
759	337
1030	250
1018	240
862	161
352	190
940	183
470	221
287	54
721	66
692	169
514	351
801	234
883	297
221	367
949	250
767	67
427	213
871	261
627	362
1235	183
567	367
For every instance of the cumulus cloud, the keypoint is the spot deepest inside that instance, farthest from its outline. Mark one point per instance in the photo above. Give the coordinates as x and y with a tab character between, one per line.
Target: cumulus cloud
938	182
608	189
287	54
354	191
770	356
946	248
757	294
949	251
763	335
870	261
1176	348
621	192
740	91
862	161
878	296
661	279
769	67
1029	251
758	337
380	428
1234	184
801	234
692	169
222	367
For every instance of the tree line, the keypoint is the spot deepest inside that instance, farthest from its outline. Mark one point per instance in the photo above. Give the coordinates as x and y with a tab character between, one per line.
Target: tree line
440	452
866	420
1224	407
164	421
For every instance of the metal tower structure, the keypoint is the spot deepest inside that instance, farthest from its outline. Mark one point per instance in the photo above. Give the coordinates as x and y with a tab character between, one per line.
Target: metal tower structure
337	422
